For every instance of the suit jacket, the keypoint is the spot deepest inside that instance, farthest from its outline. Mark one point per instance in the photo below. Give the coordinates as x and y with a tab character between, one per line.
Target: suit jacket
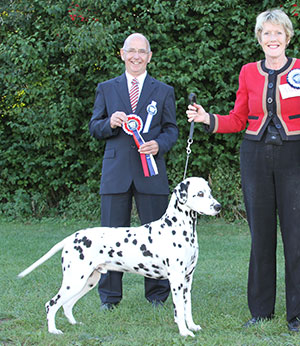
121	161
259	100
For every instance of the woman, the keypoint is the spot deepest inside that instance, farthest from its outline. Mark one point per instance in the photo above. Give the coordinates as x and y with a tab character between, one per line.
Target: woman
268	104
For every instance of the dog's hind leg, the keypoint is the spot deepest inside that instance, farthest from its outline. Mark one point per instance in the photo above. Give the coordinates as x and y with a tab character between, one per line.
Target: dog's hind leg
188	303
68	306
65	294
176	283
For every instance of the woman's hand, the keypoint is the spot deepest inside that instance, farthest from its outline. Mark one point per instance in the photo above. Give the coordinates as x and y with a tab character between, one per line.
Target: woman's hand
197	113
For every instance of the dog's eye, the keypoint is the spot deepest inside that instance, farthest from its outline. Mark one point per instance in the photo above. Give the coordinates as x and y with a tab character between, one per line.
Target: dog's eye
200	194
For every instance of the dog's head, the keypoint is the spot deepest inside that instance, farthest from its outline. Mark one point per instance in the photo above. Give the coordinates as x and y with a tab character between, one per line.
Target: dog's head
195	194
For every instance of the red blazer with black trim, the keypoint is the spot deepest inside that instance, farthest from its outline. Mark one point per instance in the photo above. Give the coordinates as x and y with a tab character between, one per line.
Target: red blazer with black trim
251	105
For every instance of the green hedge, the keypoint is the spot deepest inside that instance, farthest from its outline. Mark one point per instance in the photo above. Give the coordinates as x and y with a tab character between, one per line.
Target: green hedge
53	53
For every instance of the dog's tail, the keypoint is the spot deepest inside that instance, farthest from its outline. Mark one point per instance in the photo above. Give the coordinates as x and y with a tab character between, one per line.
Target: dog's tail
50	253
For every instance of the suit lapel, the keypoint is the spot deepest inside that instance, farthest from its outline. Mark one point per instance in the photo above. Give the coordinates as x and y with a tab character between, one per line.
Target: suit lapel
122	88
148	88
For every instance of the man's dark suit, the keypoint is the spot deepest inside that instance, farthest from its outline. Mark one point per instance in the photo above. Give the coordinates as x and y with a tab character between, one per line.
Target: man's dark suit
122	169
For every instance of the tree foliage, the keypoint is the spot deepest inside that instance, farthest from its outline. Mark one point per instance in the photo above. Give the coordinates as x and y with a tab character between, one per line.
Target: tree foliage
53	54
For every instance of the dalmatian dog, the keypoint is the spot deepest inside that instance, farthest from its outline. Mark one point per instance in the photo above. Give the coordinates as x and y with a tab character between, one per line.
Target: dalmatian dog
164	249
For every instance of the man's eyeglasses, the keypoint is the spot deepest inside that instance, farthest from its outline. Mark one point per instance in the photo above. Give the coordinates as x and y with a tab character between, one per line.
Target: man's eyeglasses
132	51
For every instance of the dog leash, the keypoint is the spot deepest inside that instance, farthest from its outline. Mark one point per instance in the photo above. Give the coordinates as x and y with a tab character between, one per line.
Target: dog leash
192	99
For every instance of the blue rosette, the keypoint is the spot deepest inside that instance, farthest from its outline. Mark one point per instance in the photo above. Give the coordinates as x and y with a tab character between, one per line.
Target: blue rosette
293	78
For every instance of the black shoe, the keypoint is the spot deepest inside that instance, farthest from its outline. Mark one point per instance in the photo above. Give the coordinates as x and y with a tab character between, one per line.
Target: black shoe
255	321
294	325
107	306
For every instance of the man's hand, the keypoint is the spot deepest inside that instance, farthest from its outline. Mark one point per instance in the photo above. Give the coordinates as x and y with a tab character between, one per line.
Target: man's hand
117	119
150	147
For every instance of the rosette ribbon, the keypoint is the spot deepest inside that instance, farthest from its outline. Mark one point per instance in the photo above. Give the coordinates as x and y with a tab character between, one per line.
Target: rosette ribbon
133	127
293	78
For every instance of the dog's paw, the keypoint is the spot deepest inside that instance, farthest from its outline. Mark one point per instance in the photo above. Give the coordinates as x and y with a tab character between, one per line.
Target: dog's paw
55	331
194	327
186	332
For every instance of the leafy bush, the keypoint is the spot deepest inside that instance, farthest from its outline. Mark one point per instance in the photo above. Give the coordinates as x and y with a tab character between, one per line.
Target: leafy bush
53	54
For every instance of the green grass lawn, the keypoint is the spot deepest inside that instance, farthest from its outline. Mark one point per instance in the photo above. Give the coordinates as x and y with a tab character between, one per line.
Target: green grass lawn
218	296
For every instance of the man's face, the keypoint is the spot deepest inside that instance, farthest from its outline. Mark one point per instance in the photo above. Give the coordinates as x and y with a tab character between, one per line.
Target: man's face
136	56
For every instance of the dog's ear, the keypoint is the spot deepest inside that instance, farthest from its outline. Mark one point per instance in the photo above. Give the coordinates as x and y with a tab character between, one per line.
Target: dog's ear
181	192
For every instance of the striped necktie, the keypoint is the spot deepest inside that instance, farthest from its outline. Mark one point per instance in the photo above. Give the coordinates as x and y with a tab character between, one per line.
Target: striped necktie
134	93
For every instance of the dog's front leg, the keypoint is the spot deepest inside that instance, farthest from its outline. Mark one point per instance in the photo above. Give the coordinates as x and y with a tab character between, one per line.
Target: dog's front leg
177	287
188	303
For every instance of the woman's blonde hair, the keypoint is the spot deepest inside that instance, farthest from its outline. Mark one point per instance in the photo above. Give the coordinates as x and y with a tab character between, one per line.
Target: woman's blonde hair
275	16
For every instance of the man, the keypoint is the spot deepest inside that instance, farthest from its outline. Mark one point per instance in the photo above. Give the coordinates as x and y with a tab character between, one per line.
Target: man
125	172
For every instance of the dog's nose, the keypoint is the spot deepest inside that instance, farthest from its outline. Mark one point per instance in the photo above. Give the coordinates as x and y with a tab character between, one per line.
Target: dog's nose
217	207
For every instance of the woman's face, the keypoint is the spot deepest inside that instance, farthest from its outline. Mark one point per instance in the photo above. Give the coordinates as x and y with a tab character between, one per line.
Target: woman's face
273	40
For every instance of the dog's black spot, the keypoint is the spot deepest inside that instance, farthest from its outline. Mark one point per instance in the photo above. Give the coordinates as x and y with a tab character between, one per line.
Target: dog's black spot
149	275
155	266
129	235
126	240
150	240
147	225
87	242
118	244
181	263
90	263
128	230
168	222
62	260
168	264
68	287
162	225
52	302
174	244
187	239
141	265
64	269
164	262
156	271
101	251
119	263
111	253
173	232
136	269
174	218
120	254
180	246
78	248
134	242
184	233
66	251
147	254
81	256
91	285
82	277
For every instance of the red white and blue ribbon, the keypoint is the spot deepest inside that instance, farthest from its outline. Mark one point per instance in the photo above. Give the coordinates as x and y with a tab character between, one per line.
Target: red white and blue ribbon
133	127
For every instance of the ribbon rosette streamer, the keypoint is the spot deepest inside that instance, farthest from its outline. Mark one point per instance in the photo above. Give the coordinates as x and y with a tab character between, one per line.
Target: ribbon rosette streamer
133	127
